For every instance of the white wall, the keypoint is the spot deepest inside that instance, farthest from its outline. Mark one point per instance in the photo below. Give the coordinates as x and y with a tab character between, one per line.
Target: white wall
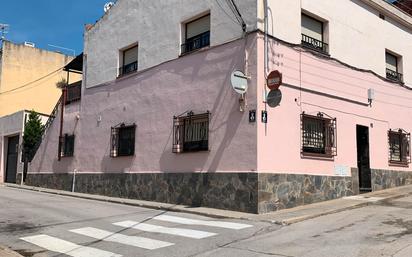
156	26
357	35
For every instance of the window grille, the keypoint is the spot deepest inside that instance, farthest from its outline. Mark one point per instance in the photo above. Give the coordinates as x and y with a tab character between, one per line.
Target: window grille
191	132
318	135
66	145
399	147
122	140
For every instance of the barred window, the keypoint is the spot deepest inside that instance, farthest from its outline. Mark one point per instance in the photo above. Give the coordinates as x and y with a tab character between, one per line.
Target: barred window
318	135
191	132
399	145
66	145
123	140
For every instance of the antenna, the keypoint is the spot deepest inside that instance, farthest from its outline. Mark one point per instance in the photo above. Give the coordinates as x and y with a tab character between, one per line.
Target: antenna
107	6
64	48
3	30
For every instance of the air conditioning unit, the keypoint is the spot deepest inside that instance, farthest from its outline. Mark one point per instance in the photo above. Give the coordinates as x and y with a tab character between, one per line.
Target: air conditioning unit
29	44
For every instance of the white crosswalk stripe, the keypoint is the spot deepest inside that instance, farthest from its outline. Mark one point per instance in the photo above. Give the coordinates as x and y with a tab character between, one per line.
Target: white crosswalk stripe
136	241
61	246
186	221
197	234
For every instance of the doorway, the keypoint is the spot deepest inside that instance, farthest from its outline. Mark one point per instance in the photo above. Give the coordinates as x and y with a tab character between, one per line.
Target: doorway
11	161
362	144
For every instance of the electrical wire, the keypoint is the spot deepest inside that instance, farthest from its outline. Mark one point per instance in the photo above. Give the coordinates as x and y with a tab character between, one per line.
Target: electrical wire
32	82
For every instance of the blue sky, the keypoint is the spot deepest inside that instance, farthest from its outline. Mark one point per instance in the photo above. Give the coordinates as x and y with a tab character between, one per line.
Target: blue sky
56	22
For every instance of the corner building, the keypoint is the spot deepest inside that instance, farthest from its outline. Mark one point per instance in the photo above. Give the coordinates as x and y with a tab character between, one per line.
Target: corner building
159	120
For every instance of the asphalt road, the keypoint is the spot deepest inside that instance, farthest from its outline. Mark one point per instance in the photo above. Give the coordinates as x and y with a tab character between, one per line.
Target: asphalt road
39	224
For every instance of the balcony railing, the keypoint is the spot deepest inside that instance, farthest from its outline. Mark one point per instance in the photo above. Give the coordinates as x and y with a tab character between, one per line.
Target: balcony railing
128	68
314	44
74	92
196	42
393	75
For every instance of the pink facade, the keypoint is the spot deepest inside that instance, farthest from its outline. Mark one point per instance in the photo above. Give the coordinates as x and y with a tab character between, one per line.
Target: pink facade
150	98
279	149
251	166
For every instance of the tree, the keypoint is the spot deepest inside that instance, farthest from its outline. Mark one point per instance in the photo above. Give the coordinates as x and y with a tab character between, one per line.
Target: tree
33	132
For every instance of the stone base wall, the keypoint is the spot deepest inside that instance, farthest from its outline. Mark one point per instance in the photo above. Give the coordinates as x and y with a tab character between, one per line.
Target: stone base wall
384	179
282	191
230	191
245	192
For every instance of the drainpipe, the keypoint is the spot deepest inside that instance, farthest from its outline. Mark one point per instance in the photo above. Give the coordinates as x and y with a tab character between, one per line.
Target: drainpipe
64	93
266	28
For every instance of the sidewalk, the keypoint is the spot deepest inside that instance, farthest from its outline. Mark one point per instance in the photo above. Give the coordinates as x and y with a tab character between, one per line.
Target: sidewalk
284	217
6	252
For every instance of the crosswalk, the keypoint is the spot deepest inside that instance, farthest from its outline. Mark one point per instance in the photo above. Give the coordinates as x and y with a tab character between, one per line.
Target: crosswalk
54	244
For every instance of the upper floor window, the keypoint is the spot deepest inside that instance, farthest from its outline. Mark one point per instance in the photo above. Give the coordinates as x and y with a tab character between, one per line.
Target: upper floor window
123	140
399	145
393	67
197	34
66	145
128	60
191	132
318	135
313	34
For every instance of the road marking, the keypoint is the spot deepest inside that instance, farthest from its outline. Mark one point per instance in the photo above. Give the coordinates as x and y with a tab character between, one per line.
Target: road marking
186	221
197	234
136	241
61	246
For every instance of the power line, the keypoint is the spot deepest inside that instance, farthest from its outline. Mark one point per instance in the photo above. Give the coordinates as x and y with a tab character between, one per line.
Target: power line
32	82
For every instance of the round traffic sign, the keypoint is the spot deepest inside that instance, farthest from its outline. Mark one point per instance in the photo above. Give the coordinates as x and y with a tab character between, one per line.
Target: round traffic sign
274	80
239	82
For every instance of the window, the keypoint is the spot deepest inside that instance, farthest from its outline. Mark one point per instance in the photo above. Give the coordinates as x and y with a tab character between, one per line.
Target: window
191	132
74	92
122	140
392	67
318	135
313	34
66	145
399	145
128	61
197	34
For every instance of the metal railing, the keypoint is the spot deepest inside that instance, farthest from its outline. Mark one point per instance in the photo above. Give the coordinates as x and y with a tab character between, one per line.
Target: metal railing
47	125
314	44
74	92
393	75
128	68
197	42
191	132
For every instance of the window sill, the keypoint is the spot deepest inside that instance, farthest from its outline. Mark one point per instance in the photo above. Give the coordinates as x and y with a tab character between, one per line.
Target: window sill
195	51
317	156
315	50
399	164
123	76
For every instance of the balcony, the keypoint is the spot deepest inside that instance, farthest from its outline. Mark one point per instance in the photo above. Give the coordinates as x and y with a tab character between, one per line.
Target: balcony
196	42
393	75
314	44
74	92
128	68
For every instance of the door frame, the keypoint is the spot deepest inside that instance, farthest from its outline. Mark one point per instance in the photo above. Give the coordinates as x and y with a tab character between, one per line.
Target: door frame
363	189
4	153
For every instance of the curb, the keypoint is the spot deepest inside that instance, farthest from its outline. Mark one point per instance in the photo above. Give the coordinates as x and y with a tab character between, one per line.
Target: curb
212	213
225	214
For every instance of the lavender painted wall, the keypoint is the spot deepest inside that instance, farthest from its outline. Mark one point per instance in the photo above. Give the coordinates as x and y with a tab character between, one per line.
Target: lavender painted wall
198	82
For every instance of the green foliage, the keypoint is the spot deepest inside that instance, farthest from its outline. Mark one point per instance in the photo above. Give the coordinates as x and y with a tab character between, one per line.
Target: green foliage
32	134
